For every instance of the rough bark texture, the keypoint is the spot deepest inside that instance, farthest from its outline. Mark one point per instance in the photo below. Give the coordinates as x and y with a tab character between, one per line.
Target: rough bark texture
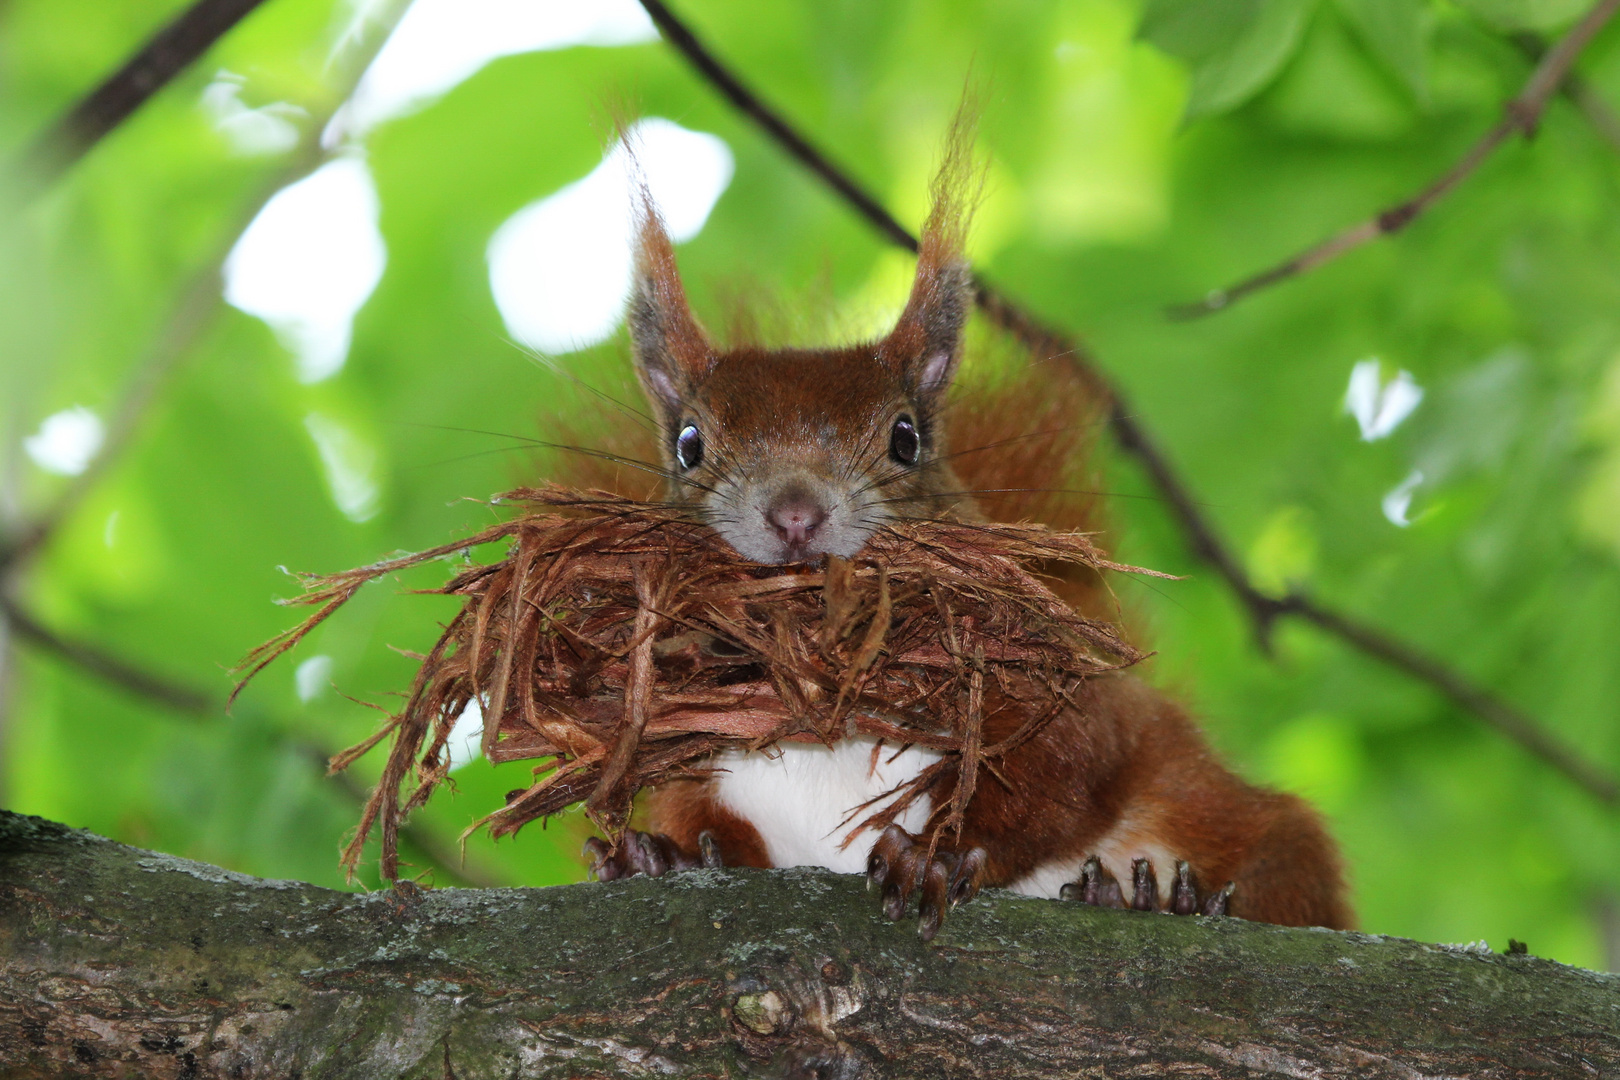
120	962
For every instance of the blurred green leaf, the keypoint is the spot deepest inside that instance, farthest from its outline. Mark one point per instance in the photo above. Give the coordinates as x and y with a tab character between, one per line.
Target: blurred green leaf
1335	89
1232	48
1283	555
1527	14
1397	32
1319	756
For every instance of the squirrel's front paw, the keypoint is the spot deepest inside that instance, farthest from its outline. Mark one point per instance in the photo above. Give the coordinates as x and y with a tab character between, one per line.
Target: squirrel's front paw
1097	886
899	866
652	854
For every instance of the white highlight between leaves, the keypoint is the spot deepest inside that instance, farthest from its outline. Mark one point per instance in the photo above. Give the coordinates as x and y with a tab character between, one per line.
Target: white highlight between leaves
309	261
560	267
66	441
1379	407
1399	500
312	677
440	43
466	740
268	129
350	463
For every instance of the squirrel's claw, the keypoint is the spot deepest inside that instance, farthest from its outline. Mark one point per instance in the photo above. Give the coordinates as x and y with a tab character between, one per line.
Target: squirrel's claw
651	854
709	850
1215	903
1183	896
899	866
1098	887
1145	886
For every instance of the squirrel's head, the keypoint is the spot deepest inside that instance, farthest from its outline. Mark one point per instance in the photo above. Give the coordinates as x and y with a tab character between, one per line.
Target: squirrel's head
792	454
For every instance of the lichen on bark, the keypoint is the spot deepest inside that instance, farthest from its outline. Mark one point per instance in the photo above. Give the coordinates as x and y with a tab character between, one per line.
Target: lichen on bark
120	962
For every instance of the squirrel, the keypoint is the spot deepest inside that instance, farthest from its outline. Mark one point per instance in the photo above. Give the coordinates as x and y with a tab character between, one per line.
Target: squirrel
792	455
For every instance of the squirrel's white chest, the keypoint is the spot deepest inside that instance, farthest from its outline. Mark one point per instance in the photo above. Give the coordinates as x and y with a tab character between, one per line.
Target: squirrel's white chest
804	798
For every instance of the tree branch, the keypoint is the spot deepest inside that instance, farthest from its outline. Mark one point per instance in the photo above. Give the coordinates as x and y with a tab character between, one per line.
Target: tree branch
105	666
752	106
190	702
1134	439
1604	120
1520	116
1507	720
117	962
166	55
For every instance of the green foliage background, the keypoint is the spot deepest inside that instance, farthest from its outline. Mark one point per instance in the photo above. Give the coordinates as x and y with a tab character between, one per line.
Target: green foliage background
1139	158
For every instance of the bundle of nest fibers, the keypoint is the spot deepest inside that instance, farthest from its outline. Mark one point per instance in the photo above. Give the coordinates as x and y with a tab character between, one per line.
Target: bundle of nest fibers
621	643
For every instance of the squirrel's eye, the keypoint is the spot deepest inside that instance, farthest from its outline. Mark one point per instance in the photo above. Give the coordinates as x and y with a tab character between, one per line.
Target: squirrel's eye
904	441
689	447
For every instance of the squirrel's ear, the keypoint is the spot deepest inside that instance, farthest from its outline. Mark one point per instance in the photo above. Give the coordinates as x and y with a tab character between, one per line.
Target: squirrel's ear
926	343
669	348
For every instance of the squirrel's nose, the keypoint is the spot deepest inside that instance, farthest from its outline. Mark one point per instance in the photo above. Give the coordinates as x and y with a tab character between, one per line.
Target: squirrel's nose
796	519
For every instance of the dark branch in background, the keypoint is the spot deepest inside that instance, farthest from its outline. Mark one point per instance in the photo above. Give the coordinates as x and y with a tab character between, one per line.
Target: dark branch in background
1265	610
678	35
190	702
1604	120
198	303
170	52
1498	714
1134	439
1519	117
105	666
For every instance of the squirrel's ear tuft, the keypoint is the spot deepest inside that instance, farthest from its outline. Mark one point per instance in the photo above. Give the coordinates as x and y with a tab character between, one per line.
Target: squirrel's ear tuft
926	343
669	347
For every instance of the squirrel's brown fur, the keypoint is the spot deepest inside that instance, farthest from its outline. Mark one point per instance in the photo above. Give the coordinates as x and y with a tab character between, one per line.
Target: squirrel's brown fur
1122	773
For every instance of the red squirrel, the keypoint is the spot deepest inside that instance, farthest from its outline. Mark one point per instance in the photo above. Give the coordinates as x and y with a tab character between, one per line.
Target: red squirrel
792	455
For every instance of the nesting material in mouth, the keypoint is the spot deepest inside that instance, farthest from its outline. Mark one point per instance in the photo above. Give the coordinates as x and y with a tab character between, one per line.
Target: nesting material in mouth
621	644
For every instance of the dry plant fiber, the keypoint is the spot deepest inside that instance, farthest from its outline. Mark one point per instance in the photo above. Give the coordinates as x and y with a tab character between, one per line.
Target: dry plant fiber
620	643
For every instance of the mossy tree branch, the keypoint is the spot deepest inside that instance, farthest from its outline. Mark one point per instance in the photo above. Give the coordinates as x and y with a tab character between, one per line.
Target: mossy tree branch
119	962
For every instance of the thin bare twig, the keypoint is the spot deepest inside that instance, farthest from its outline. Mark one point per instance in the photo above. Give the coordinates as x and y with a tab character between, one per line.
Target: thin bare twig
1604	120
104	665
1132	437
1512	723
751	105
1520	116
167	54
176	697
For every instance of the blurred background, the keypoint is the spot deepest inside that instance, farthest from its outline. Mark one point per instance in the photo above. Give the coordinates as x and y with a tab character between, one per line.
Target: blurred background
306	306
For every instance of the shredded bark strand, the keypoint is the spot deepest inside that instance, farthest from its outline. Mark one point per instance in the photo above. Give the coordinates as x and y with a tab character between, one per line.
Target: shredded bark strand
620	644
